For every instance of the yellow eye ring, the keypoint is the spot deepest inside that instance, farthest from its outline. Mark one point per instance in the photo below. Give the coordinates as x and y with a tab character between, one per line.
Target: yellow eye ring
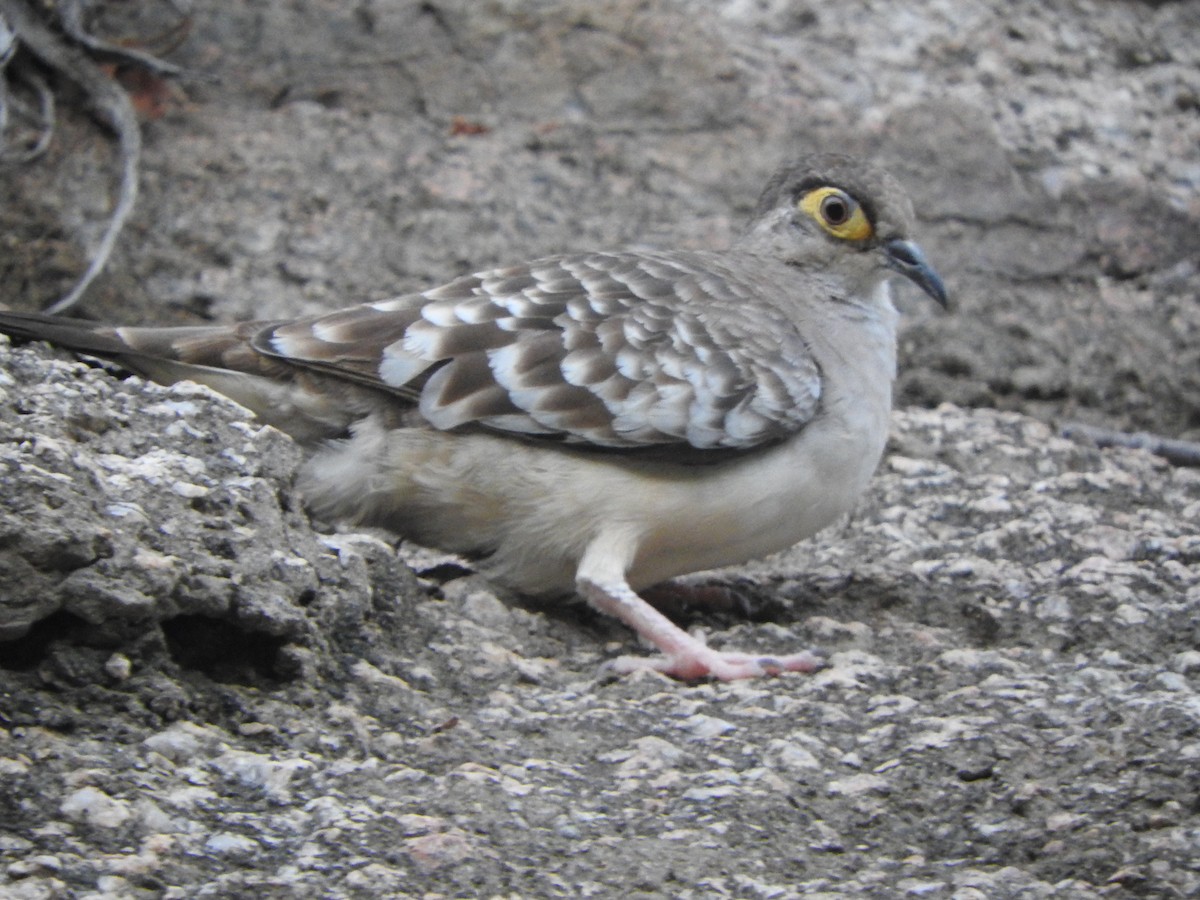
838	213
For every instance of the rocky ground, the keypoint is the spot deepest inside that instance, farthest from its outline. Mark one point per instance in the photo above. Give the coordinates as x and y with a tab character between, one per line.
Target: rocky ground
202	695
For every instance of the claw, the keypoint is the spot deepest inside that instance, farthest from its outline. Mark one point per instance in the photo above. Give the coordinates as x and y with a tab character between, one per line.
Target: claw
703	662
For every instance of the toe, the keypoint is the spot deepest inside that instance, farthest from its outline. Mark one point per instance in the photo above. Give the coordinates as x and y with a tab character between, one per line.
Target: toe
703	662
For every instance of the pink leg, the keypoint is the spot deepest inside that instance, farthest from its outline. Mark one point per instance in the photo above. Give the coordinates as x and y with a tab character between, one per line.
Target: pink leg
683	655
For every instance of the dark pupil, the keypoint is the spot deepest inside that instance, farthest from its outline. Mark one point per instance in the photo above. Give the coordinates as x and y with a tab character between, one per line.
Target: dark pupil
835	210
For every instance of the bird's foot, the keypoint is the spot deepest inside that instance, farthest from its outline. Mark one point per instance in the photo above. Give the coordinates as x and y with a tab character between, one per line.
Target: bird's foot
701	661
684	655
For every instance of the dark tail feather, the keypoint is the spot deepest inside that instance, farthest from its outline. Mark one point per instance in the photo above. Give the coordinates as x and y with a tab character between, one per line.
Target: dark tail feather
220	356
71	334
145	350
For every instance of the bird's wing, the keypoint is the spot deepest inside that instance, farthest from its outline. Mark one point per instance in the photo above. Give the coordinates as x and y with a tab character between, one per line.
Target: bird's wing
633	350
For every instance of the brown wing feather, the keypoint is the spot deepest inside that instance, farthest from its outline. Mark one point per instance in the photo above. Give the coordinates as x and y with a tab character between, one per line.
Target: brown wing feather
616	350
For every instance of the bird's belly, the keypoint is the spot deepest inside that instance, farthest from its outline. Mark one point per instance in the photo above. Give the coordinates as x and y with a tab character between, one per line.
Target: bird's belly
759	505
531	511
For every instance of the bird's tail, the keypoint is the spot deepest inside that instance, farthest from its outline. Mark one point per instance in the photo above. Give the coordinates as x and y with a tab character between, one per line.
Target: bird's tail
162	354
219	356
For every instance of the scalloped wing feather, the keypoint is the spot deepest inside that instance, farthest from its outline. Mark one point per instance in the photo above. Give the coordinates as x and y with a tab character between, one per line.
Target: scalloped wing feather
615	350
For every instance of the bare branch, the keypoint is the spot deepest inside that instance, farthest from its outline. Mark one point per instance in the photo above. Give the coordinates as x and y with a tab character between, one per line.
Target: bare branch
71	18
46	117
110	103
1180	453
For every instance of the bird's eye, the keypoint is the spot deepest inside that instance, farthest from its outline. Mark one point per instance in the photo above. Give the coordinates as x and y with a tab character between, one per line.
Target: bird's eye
838	213
834	210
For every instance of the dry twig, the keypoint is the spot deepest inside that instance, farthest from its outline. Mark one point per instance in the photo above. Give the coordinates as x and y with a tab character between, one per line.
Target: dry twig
1180	453
21	25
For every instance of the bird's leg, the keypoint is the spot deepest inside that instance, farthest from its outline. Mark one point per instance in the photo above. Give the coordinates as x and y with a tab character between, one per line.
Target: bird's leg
683	655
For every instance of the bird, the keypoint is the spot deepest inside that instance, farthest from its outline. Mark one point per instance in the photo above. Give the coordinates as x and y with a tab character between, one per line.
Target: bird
593	424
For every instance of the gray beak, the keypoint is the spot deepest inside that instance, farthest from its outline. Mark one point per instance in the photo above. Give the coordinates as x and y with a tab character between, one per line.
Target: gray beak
906	258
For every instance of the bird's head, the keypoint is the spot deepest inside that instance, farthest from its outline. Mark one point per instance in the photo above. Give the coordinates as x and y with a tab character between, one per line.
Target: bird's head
838	215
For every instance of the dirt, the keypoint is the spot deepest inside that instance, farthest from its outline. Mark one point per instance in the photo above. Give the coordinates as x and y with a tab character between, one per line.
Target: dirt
205	694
